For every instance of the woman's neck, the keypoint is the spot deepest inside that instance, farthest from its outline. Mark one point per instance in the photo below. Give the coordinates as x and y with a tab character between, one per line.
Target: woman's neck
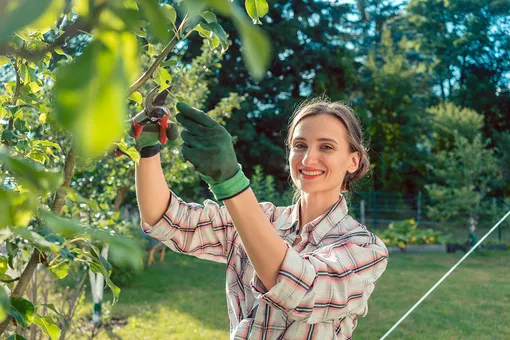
315	204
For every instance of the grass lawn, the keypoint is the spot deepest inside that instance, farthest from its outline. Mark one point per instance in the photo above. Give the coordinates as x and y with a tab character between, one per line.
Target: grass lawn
183	298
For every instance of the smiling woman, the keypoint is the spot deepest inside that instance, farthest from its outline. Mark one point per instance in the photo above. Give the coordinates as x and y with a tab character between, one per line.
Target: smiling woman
333	129
305	271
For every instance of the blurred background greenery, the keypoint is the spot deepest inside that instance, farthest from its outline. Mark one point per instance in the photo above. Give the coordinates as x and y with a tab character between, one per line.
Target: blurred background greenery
429	80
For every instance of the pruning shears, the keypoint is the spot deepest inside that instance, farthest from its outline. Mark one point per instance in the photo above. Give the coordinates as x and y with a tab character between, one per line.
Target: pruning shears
153	113
153	118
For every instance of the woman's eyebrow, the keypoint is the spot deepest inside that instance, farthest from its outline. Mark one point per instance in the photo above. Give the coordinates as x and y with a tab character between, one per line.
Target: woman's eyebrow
323	139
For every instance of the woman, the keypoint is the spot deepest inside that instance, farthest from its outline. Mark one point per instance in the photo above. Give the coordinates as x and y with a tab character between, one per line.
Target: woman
300	272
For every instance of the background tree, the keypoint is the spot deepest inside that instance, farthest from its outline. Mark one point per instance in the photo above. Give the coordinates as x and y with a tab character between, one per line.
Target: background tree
464	168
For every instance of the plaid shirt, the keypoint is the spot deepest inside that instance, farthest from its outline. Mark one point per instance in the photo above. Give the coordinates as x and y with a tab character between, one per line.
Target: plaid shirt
324	282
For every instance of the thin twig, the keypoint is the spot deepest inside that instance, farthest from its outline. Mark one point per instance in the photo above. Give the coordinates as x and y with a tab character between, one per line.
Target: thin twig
73	30
168	48
11	280
140	81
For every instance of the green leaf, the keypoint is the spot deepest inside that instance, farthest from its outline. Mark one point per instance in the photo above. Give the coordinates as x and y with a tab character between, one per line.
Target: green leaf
169	12
130	17
51	307
16	208
194	7
131	152
3	112
99	265
16	337
256	47
136	97
216	29
162	78
214	42
31	176
48	326
203	32
21	125
170	62
256	9
155	15
124	251
126	45
4	303
209	16
66	254
49	17
4	60
8	136
39	241
104	262
4	263
90	98
62	226
97	268
60	270
61	317
22	311
26	12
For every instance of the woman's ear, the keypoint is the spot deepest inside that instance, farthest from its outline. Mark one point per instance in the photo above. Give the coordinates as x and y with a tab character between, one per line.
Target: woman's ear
354	160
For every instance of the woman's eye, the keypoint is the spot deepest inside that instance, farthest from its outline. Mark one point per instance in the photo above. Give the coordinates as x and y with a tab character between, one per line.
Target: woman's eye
299	145
327	147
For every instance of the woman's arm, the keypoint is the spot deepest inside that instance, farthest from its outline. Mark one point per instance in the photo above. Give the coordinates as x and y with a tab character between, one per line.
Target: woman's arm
265	249
151	189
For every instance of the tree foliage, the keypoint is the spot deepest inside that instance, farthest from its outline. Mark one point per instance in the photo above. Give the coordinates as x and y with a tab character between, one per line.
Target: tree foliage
75	71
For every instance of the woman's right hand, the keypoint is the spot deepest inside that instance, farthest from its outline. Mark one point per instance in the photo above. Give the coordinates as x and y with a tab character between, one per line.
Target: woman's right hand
151	136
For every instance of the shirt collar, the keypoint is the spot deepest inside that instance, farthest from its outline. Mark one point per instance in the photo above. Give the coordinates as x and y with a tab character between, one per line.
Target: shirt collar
321	225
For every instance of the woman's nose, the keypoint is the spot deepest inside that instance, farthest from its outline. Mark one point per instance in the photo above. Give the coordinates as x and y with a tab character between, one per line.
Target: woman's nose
310	158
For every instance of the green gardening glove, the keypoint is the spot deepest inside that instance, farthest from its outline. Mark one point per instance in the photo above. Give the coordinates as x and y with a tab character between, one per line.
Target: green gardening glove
208	146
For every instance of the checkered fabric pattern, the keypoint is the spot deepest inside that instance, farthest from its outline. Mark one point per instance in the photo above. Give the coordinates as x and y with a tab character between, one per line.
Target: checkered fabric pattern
323	285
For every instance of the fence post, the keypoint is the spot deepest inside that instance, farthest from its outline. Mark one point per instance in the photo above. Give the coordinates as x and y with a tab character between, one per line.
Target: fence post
362	211
418	212
374	204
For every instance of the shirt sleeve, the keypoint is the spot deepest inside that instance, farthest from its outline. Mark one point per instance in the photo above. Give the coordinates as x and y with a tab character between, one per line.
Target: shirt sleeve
329	283
202	230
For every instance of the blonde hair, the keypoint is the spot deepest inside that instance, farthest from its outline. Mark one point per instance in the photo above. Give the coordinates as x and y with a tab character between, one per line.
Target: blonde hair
323	105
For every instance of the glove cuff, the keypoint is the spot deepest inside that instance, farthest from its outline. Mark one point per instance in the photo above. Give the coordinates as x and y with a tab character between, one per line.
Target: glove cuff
231	187
150	151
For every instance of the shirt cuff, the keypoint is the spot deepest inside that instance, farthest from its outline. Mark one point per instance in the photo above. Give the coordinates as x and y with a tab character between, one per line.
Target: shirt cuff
295	278
172	205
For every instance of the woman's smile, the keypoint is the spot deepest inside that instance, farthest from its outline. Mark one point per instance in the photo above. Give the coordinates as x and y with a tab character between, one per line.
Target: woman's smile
310	174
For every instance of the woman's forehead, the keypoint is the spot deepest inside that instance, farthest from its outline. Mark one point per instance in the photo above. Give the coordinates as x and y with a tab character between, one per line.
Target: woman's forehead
323	126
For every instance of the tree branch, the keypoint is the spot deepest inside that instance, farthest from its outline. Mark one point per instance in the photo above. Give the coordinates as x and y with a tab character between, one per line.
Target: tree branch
58	202
168	48
140	81
9	281
13	102
77	27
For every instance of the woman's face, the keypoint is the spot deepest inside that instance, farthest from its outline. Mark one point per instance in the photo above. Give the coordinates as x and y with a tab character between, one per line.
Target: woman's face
320	155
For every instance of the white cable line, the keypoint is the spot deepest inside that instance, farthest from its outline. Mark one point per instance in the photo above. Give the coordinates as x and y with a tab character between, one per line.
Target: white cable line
445	276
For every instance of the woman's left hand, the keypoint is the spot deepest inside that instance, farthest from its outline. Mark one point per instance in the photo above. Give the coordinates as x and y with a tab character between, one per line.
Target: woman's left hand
208	146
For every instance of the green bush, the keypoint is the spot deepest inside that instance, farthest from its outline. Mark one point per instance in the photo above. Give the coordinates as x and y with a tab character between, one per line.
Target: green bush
405	232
